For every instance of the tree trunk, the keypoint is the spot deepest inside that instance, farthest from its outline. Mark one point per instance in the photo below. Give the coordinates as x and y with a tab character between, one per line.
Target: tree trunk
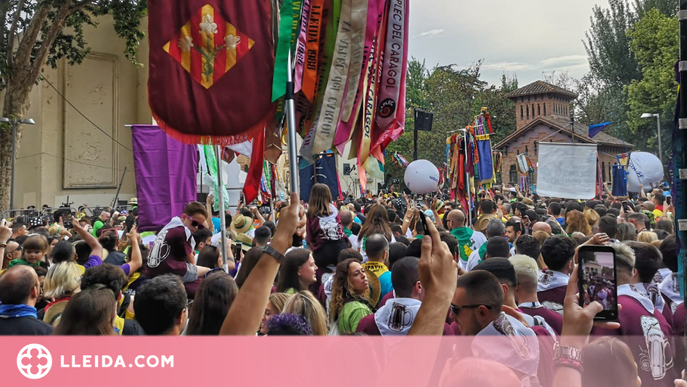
16	105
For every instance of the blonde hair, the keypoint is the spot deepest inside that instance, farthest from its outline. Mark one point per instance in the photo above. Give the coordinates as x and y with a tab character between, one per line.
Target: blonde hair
526	271
591	216
624	253
305	304
647	236
278	300
63	279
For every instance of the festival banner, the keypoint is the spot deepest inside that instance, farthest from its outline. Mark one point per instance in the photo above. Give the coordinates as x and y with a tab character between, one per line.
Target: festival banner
290	13
392	68
165	172
211	68
252	186
330	110
323	171
567	170
316	22
300	47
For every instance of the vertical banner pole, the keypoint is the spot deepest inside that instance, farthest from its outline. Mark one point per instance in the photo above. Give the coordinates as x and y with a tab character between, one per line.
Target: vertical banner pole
222	209
679	145
291	126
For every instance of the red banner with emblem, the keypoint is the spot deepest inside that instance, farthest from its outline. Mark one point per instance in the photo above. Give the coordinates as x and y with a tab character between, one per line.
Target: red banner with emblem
211	68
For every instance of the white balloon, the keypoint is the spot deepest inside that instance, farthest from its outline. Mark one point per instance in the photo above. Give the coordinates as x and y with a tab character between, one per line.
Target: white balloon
645	169
422	177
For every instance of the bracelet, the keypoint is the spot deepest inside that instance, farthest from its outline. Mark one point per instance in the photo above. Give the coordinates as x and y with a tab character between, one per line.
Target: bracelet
3	245
406	220
569	363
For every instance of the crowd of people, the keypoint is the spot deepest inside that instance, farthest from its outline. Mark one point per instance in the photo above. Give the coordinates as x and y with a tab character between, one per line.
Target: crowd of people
386	265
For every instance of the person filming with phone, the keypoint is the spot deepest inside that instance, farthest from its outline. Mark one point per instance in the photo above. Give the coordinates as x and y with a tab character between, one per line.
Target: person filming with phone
644	328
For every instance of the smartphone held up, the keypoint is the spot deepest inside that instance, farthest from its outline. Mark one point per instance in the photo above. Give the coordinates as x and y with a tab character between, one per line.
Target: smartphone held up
598	280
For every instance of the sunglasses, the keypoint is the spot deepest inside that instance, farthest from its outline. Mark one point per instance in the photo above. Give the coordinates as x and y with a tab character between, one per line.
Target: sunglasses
456	309
196	224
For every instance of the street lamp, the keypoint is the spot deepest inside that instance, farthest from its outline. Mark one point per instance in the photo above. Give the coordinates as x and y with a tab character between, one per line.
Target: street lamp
15	123
658	125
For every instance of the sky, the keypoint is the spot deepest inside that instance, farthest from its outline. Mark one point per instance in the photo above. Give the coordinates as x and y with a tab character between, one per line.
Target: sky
525	37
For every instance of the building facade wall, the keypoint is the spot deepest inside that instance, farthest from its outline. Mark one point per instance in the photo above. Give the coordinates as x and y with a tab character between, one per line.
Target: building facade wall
66	155
526	144
529	108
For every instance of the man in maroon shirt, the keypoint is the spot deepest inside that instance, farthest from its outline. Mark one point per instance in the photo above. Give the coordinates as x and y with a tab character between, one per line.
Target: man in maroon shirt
557	253
647	263
172	252
644	328
396	317
526	271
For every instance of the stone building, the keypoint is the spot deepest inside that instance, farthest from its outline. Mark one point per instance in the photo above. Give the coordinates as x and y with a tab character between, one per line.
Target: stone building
543	114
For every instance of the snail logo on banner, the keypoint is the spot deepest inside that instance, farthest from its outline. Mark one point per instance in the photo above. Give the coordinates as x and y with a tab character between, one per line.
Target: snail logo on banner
34	361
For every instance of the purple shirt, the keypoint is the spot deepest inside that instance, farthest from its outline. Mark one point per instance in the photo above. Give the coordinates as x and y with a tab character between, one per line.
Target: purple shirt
93	261
126	268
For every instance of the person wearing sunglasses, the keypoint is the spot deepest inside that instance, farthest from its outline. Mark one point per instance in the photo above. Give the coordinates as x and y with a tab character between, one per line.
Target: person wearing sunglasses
476	308
172	252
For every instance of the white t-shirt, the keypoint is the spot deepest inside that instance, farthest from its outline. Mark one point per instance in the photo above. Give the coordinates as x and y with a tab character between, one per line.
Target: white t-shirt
473	260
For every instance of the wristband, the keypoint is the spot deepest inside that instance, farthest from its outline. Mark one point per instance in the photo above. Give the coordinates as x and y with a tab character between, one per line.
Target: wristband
3	245
567	357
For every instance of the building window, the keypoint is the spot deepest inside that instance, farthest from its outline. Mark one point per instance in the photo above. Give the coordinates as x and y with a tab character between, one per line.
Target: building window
528	112
532	177
538	109
544	109
513	175
522	114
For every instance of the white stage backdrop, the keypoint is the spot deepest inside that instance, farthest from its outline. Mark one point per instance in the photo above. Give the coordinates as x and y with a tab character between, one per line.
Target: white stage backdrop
567	170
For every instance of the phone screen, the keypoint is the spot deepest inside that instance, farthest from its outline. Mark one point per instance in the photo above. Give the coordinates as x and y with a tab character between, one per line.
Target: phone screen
597	280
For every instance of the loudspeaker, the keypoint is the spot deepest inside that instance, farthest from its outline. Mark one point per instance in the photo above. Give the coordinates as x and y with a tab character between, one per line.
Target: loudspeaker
423	120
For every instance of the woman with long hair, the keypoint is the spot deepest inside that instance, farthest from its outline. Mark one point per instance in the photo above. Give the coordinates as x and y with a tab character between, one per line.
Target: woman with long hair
274	306
576	222
350	293
305	304
325	234
215	295
297	272
248	262
376	222
90	312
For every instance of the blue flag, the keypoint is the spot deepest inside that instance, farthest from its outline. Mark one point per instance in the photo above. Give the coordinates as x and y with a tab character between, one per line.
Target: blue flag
595	129
326	174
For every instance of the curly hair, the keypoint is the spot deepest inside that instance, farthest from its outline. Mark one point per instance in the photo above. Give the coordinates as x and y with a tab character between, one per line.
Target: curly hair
575	221
342	290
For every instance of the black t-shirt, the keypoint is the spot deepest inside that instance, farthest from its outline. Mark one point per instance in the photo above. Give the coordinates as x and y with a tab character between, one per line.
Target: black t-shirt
24	326
115	258
132	328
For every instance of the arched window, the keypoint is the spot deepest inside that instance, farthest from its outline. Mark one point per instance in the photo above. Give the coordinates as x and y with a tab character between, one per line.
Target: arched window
538	109
528	112
522	114
544	108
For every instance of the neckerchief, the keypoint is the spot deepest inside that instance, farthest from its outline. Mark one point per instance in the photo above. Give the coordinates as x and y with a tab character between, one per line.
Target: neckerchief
531	305
671	288
627	290
550	279
396	317
463	234
520	352
16	311
651	292
661	274
22	261
376	267
347	232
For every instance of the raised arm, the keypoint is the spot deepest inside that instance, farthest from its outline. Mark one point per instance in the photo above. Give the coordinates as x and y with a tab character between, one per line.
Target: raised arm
438	275
136	257
248	308
254	210
96	248
208	204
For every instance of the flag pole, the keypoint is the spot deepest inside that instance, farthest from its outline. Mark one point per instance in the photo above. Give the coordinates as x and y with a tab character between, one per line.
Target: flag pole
222	209
291	127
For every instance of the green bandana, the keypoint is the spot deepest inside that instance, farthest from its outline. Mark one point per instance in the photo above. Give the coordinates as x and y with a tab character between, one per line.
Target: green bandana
22	261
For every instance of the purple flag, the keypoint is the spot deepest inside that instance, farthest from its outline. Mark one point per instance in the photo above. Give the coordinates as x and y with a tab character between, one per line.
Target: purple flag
165	176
